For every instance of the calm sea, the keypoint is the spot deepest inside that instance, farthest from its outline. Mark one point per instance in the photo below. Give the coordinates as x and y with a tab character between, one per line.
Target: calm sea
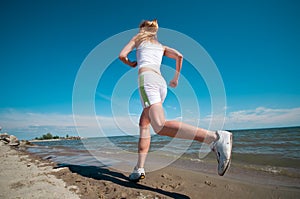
262	152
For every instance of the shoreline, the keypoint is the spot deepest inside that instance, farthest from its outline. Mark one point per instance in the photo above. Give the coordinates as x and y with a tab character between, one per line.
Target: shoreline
53	140
105	182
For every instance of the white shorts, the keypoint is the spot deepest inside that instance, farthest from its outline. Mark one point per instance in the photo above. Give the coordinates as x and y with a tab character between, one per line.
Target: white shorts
152	88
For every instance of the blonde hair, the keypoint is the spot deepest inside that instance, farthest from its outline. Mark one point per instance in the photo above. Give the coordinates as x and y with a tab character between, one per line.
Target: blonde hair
148	30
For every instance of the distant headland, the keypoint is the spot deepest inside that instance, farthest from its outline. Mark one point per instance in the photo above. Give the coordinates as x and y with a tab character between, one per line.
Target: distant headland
50	137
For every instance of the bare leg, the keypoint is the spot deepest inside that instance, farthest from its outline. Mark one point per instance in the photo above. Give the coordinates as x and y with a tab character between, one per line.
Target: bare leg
145	138
155	115
177	129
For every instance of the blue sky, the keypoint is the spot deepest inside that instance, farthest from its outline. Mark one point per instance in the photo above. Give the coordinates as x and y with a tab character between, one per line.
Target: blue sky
254	44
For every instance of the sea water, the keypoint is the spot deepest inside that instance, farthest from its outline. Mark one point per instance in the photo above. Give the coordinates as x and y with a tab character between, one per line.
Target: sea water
273	151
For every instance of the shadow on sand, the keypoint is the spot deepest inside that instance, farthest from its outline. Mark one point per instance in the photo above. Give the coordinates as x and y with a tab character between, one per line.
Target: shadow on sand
102	173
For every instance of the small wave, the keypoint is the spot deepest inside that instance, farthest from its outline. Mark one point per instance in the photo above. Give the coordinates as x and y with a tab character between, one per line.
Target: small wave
271	169
290	172
110	152
196	160
268	169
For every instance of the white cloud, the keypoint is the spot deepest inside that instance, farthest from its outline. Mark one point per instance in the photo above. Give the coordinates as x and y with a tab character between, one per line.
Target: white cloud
263	117
260	117
171	107
102	96
29	124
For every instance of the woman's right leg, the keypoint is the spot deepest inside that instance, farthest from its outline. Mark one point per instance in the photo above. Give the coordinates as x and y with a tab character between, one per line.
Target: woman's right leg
143	146
145	138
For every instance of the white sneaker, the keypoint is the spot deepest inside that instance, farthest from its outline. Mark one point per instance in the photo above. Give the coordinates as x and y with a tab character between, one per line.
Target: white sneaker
137	174
222	148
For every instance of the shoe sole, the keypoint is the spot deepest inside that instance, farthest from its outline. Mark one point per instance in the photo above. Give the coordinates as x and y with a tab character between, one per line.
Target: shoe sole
140	178
229	162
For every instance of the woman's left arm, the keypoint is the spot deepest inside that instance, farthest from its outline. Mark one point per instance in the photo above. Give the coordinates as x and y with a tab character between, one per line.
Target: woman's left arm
174	54
126	50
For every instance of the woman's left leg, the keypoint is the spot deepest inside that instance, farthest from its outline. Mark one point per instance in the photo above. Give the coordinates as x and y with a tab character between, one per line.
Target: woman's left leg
177	129
221	140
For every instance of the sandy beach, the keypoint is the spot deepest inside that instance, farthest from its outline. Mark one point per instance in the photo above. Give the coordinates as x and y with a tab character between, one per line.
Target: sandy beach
23	175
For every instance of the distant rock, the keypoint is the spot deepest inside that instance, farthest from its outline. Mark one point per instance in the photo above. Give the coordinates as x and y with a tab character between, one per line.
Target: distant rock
25	143
14	141
4	135
5	138
9	139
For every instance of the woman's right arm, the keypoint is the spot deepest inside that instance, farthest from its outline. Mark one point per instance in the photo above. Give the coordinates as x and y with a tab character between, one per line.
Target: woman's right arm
126	50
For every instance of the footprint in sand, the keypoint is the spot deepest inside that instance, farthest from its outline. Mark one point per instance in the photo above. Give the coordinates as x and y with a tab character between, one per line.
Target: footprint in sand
209	183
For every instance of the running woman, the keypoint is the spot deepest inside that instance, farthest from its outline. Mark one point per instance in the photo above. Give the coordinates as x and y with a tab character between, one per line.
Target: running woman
153	91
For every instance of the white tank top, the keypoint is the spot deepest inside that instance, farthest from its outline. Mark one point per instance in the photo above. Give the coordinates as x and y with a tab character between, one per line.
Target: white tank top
149	55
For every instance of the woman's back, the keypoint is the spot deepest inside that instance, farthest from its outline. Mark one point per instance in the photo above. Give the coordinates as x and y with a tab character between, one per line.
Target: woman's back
150	55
